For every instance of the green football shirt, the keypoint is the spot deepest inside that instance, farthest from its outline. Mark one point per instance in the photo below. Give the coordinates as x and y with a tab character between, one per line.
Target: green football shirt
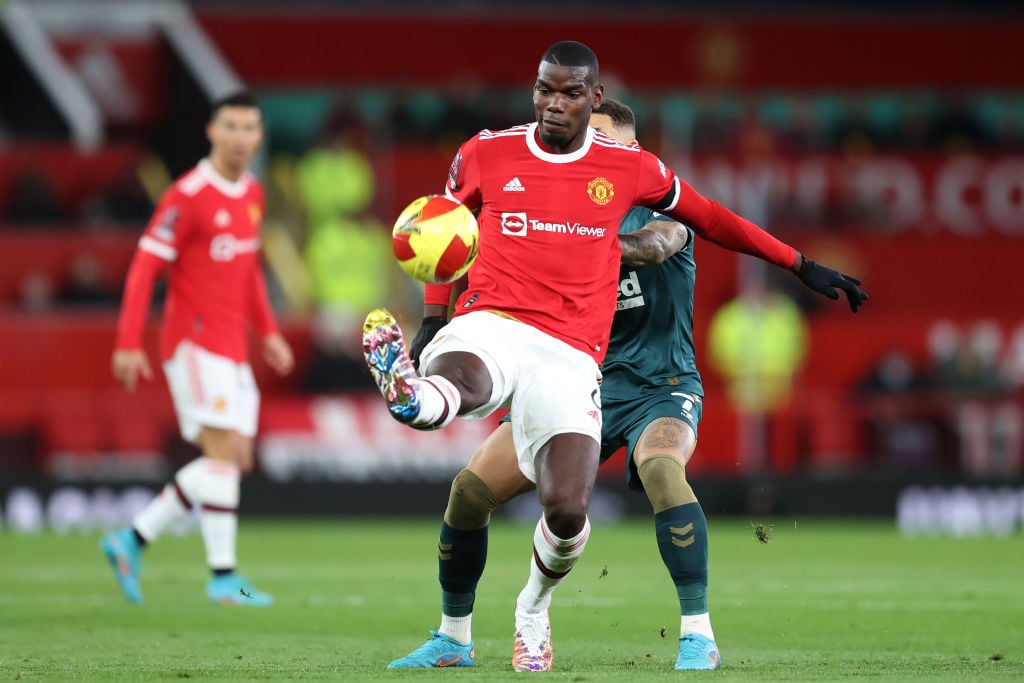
651	343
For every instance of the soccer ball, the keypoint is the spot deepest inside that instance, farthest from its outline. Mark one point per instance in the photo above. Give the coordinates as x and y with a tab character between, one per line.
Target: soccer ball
435	239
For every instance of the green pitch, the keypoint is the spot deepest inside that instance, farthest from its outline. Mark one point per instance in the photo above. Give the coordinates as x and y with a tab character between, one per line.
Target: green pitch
821	601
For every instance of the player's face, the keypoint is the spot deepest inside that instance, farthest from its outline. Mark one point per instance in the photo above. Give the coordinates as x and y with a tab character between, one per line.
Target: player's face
562	101
604	123
235	134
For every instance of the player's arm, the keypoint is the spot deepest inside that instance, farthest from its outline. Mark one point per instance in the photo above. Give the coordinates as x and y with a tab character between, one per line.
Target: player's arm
157	247
437	299
129	360
276	350
718	224
436	303
653	243
463	185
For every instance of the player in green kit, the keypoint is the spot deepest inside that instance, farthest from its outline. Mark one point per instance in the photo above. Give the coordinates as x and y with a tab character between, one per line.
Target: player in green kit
651	400
651	404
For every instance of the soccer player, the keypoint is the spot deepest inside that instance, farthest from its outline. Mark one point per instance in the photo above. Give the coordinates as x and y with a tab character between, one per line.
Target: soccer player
205	233
534	323
651	403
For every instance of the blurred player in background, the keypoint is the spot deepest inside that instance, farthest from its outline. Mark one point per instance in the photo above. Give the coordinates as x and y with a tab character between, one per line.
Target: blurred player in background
651	397
206	233
534	322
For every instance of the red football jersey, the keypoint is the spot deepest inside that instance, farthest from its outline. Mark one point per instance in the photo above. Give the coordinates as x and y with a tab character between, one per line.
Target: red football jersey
549	248
205	231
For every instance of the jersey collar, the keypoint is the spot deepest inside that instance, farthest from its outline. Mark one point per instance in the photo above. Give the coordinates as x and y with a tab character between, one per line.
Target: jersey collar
232	189
540	153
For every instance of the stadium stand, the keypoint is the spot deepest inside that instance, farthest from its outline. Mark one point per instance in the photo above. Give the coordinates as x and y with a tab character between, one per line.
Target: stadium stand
904	165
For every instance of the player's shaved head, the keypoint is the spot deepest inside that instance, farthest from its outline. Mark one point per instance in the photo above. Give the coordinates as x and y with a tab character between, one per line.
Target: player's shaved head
571	53
565	94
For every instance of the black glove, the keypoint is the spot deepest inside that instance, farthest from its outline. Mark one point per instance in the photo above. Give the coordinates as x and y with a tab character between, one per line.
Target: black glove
824	280
428	328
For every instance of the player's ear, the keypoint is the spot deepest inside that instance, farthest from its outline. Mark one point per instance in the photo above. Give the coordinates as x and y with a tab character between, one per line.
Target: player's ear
598	95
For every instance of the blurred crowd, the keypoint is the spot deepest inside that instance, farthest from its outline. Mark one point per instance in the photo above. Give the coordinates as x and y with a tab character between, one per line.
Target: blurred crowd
327	244
748	126
834	122
324	150
958	411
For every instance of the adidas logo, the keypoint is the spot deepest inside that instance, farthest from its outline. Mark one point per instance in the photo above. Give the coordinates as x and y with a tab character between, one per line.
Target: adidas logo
514	186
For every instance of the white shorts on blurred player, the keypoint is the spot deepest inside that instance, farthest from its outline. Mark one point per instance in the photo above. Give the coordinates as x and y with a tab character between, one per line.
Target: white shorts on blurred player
551	387
211	391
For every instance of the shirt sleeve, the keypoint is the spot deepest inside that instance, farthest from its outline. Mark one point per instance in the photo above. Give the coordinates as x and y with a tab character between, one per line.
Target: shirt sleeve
262	314
138	293
708	218
439	295
464	175
260	310
463	184
167	227
158	246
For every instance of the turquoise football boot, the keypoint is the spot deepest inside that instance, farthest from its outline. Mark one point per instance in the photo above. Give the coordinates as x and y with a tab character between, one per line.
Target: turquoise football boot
438	652
697	652
125	557
233	589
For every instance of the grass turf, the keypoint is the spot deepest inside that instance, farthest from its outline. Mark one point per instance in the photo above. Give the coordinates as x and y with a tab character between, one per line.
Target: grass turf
824	600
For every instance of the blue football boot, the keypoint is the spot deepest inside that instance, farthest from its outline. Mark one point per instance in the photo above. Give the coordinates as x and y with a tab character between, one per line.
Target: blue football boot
697	652
125	557
438	652
233	589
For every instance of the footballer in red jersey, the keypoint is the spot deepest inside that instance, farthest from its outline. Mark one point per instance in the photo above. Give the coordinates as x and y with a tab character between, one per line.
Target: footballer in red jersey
535	320
655	403
205	233
549	224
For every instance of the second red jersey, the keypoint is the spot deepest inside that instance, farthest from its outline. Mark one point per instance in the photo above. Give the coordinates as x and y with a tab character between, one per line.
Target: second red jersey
207	230
549	250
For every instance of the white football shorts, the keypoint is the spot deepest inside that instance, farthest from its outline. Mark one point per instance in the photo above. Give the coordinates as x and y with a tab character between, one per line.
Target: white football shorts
551	387
211	391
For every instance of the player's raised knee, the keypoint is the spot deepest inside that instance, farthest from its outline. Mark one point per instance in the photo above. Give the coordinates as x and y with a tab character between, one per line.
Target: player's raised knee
468	373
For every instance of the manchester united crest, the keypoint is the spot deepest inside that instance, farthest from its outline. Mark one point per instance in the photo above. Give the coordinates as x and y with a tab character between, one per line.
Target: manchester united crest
255	214
600	190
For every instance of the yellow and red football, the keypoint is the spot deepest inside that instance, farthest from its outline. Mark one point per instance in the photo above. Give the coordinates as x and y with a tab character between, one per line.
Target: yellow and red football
435	239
